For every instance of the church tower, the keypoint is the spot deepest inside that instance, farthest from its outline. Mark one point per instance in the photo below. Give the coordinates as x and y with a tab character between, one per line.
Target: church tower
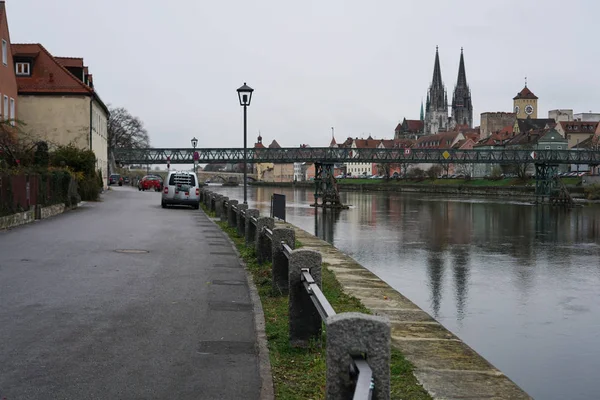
525	103
462	107
436	108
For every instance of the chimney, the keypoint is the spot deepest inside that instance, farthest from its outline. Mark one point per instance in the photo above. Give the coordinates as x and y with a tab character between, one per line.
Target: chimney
51	77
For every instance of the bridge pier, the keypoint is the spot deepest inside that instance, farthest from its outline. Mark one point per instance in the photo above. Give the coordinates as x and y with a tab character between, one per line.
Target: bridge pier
326	188
545	182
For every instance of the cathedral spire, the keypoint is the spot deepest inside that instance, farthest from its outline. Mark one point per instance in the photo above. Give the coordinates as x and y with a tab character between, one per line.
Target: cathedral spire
437	72
422	114
462	75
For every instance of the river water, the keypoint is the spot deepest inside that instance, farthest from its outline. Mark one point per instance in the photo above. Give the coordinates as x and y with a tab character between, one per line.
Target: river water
518	283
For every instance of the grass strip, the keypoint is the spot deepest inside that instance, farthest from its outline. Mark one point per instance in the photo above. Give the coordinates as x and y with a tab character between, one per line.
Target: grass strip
301	373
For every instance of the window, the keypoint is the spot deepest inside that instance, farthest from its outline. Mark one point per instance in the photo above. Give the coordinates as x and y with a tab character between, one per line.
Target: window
4	52
22	68
559	148
547	147
12	111
6	112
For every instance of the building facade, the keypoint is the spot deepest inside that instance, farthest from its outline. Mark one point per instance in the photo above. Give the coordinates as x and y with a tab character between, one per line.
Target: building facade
492	122
8	83
58	106
525	104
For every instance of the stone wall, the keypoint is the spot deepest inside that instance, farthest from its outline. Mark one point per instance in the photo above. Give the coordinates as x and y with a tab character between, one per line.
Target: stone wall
27	217
494	121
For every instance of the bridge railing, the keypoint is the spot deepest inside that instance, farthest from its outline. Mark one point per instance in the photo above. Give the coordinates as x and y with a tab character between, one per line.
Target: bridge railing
357	345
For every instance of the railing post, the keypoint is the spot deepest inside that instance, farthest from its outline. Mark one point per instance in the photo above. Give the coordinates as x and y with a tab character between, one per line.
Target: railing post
224	209
231	217
280	261
251	226
262	242
305	321
212	199
357	334
218	205
241	219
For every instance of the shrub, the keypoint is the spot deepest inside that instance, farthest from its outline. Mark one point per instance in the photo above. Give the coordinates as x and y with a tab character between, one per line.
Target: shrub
592	192
434	171
496	174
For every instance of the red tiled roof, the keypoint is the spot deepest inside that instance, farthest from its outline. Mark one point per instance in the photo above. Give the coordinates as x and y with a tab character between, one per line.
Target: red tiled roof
525	94
497	138
578	126
259	146
47	74
70	61
414	125
332	143
398	127
441	140
366	143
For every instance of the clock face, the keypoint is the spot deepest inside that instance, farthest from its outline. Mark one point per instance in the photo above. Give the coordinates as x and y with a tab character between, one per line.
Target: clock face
517	109
529	109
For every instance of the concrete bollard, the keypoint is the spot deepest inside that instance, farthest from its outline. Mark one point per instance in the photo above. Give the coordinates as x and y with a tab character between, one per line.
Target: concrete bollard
250	233
224	209
241	219
212	201
280	261
305	321
357	334
231	217
218	205
262	243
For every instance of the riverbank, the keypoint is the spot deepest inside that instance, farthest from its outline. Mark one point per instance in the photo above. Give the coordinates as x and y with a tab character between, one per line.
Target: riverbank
457	187
444	365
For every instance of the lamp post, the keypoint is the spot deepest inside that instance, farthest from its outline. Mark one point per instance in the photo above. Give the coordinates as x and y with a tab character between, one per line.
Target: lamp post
194	144
245	96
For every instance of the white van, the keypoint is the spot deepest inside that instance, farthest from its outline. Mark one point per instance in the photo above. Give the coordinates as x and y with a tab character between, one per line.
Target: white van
181	187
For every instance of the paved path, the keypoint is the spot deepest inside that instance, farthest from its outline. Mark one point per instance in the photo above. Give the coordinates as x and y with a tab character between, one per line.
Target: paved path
79	320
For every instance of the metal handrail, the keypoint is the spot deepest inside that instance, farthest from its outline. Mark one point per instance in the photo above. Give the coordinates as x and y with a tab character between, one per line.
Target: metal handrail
361	371
316	295
254	220
269	233
287	250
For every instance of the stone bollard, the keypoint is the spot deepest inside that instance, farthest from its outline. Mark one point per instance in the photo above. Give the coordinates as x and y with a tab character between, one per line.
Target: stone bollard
231	217
280	261
212	201
305	321
357	334
250	233
224	209
241	219
262	243
218	205
207	199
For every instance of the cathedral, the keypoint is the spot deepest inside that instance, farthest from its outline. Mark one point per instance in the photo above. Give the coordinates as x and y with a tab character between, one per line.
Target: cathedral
436	109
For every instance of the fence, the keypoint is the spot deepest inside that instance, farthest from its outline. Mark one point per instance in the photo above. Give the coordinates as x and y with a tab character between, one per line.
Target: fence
22	192
358	345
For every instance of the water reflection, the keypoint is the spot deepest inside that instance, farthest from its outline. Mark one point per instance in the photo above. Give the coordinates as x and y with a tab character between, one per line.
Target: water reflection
518	283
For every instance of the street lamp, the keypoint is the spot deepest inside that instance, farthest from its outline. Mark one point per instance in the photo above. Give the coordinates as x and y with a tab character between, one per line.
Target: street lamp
194	144
245	96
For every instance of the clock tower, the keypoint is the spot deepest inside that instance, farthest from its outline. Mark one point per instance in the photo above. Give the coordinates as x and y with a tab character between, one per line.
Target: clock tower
525	104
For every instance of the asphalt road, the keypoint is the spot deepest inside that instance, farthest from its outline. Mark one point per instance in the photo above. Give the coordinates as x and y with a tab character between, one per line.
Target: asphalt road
79	320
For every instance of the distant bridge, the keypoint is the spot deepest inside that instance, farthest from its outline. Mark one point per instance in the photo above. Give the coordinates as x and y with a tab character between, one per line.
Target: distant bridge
345	155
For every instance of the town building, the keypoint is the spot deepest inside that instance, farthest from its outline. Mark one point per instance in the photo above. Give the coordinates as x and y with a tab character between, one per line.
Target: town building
561	115
58	102
587	117
8	81
409	129
491	122
525	104
576	131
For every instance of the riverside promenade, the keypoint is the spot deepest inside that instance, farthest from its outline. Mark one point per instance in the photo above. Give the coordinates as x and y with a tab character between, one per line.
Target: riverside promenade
121	299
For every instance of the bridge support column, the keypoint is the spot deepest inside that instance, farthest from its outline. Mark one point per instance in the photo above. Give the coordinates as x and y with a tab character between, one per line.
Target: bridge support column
326	188
545	181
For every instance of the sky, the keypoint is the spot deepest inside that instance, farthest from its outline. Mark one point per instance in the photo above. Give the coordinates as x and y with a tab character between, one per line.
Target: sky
357	66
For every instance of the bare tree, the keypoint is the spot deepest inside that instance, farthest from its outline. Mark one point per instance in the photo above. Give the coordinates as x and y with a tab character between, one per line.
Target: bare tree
125	131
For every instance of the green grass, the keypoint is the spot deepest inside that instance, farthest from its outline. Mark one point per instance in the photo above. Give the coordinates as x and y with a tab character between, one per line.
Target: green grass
301	373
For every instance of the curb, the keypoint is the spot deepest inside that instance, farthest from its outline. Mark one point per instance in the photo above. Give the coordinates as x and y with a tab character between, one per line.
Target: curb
264	364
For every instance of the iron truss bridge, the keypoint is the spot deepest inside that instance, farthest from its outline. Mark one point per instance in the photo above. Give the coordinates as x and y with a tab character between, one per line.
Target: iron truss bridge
347	155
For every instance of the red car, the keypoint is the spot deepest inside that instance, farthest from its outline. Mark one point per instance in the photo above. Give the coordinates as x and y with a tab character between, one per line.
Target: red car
150	182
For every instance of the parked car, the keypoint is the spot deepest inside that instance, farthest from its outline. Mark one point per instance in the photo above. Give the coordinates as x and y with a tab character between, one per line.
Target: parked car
150	182
181	189
113	179
125	179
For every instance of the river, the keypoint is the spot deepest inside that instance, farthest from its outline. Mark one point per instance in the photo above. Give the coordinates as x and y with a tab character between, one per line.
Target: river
518	283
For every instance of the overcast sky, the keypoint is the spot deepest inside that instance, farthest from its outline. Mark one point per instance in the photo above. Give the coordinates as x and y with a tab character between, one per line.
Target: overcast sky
358	66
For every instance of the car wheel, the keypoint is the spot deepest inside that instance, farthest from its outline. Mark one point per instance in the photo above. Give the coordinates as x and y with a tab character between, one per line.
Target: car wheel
139	189
163	204
196	206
